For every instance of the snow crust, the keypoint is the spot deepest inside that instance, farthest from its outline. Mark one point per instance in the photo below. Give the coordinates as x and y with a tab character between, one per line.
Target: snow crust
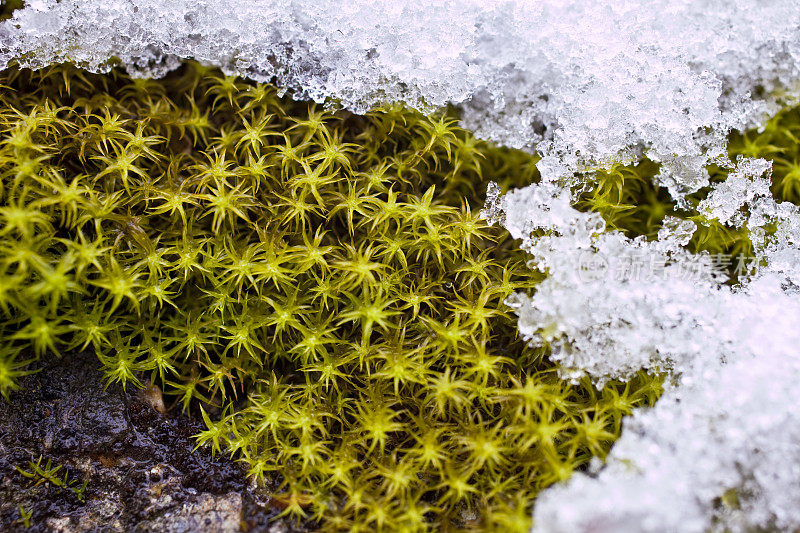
585	84
728	425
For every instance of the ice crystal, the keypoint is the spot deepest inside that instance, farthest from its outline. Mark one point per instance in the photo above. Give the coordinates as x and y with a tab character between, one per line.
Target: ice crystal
590	82
742	187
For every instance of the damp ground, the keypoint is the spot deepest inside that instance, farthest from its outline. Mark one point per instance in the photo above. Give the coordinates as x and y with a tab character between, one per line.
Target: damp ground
139	465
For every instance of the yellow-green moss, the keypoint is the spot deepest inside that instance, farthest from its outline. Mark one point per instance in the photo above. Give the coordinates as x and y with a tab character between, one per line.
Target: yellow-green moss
318	285
7	8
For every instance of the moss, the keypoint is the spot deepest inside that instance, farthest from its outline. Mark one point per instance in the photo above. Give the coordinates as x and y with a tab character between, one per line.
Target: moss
7	8
319	286
55	476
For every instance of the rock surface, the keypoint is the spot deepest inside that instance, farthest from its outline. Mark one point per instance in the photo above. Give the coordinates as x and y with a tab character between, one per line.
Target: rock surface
142	470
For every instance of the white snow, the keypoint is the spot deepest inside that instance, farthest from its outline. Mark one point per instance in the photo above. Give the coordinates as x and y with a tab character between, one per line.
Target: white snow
590	82
729	422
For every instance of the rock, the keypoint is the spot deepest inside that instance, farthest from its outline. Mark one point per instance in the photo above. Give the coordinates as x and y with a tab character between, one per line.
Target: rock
142	470
208	513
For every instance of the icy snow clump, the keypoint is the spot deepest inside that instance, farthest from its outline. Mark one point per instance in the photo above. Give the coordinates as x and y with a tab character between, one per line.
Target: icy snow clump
590	82
721	448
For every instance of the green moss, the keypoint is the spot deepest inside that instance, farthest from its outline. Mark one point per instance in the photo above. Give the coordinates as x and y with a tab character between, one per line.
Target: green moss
7	8
318	285
55	476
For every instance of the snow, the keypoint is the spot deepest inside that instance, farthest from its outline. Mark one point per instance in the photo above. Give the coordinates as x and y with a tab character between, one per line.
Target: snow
587	83
720	427
728	421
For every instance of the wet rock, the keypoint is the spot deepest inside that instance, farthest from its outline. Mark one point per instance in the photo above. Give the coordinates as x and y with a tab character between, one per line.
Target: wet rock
213	514
141	469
